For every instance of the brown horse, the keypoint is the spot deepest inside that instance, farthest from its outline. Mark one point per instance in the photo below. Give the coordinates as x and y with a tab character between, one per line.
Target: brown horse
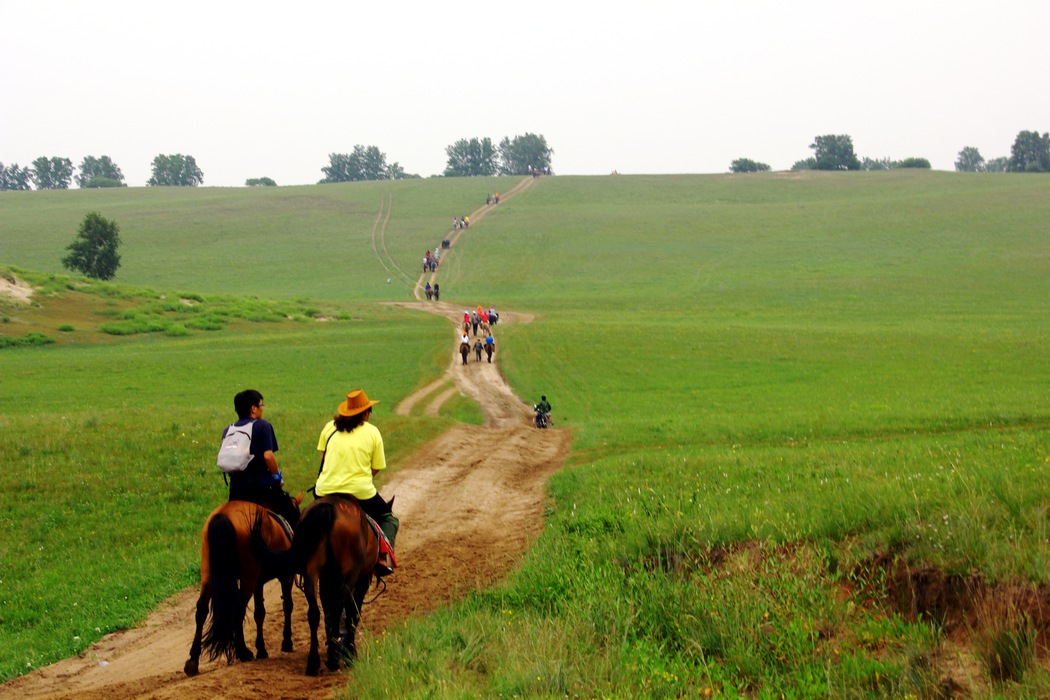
227	557
335	548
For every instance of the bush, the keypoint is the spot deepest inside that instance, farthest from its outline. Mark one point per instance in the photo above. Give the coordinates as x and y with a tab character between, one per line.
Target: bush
27	340
136	326
205	323
746	165
914	163
66	328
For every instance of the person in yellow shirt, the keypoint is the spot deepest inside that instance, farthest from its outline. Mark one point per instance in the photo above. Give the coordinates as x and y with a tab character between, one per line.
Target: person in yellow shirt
352	455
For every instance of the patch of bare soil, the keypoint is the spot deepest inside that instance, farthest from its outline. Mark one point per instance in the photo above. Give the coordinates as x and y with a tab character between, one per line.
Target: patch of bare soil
470	503
15	289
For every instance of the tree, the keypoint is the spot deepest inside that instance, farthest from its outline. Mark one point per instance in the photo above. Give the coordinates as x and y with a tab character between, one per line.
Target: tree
519	154
877	164
997	165
1030	153
746	165
94	252
51	173
969	161
365	163
99	172
260	182
14	177
834	152
807	164
473	158
175	171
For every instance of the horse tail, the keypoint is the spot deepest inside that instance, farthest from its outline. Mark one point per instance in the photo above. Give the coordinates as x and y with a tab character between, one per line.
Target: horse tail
220	637
312	530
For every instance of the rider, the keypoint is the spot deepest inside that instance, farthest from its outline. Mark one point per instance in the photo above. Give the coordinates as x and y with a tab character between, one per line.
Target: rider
261	481
544	407
352	455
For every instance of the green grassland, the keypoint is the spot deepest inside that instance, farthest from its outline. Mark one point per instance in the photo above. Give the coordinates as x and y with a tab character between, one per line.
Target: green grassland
792	395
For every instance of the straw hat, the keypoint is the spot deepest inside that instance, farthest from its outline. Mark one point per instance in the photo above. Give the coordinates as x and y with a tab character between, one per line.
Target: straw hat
356	402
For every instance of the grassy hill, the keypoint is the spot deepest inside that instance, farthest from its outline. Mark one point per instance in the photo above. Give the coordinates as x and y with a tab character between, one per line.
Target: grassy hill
795	398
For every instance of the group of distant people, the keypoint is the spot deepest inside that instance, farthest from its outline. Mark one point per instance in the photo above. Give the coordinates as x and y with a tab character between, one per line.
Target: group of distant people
461	222
430	261
473	321
492	198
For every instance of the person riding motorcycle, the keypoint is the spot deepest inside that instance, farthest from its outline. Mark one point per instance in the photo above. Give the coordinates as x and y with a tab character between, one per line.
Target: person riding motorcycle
543	413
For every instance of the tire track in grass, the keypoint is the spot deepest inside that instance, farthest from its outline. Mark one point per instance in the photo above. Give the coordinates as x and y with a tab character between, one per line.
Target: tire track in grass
378	240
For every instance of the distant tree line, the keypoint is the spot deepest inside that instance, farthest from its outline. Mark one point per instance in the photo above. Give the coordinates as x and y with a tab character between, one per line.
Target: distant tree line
57	173
1029	154
521	155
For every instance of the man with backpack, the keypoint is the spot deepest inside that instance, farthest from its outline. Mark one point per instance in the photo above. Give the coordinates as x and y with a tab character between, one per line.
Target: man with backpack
255	476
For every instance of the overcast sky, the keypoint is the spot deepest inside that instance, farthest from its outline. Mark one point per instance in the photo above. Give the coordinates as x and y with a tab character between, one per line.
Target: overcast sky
261	88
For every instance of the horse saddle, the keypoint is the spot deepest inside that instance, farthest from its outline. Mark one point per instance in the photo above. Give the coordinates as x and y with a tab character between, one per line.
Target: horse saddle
384	545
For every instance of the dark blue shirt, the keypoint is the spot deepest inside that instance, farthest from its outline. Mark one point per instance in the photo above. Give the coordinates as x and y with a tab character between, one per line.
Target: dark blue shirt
256	474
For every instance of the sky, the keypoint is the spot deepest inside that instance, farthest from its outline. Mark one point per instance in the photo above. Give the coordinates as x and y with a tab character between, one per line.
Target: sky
270	89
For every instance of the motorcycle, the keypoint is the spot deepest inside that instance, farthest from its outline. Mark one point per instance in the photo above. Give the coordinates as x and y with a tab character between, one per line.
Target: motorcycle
542	419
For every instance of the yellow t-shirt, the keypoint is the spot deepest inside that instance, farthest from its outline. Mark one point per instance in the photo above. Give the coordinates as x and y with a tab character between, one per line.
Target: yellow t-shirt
349	461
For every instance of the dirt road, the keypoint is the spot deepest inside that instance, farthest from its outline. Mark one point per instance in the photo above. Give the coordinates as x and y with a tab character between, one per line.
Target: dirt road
493	475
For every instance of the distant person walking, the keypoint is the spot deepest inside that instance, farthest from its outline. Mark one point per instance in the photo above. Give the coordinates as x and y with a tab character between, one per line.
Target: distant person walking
477	350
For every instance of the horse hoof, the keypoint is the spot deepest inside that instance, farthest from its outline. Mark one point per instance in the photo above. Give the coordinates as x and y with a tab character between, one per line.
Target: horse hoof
245	655
332	665
286	646
261	654
191	667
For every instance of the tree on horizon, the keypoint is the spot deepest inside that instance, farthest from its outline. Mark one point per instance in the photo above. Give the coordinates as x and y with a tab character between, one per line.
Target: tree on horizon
518	155
471	158
99	172
175	171
51	173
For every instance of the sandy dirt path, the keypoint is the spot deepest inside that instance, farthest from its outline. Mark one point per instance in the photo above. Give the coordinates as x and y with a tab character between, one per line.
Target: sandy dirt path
494	475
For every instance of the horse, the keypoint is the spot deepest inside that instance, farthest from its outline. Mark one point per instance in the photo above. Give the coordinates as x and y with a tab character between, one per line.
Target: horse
335	548
227	557
488	350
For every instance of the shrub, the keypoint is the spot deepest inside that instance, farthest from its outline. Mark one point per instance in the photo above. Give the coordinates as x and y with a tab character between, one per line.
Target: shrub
66	328
135	326
27	340
205	323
